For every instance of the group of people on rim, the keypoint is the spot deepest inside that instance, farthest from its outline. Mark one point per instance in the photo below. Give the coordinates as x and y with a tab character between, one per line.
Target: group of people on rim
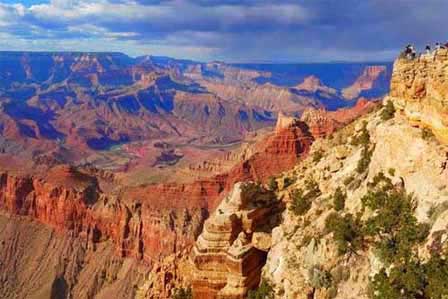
410	52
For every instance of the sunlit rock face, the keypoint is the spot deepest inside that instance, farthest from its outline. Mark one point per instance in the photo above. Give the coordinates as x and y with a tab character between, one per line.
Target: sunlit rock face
419	88
227	260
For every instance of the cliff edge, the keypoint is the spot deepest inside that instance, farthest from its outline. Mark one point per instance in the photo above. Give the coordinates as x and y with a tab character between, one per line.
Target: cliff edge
419	88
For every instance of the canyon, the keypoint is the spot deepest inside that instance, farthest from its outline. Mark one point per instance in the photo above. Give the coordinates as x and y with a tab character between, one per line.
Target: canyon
81	138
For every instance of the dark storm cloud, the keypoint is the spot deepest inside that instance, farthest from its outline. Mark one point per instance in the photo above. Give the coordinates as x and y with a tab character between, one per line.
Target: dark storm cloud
318	30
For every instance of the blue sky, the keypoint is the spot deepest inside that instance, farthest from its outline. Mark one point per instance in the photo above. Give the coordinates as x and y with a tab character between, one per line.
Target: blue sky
230	30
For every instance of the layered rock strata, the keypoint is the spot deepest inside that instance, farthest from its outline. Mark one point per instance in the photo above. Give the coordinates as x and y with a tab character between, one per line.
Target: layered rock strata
226	259
419	88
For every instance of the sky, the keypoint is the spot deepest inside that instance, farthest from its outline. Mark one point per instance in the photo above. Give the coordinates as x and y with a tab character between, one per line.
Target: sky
229	30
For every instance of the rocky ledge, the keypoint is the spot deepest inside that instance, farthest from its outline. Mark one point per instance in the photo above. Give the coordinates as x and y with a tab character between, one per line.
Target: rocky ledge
419	89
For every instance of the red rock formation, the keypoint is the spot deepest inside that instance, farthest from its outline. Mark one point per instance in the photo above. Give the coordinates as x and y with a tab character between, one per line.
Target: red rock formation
145	223
322	123
313	84
227	263
365	81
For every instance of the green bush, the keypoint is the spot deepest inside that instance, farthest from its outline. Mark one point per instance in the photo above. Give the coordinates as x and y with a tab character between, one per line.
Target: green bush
363	138
391	171
396	235
312	188
347	232
348	180
339	198
182	293
319	278
393	223
413	279
364	162
300	203
288	181
302	200
427	134
388	111
318	155
264	291
272	184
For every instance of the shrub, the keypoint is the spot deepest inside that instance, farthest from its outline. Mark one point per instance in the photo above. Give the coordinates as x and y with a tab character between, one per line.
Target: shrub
364	162
256	194
319	278
391	171
339	198
300	203
396	235
288	181
427	134
182	293
301	200
393	224
347	232
348	180
413	280
272	184
388	111
363	138
264	291
312	188
318	155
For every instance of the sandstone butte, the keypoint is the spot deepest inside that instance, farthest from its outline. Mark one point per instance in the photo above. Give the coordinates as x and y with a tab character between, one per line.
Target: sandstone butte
226	256
419	90
149	223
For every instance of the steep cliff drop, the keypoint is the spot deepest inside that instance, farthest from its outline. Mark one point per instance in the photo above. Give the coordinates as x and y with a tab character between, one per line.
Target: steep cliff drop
419	89
156	225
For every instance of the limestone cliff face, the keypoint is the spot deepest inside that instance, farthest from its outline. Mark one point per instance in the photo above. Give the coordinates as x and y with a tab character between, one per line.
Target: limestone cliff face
419	88
303	261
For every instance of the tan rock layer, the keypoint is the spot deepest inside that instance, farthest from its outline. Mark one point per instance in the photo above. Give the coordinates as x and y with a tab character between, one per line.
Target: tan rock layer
419	88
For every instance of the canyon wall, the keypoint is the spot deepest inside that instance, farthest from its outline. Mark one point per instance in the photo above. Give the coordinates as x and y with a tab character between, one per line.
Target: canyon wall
419	88
150	223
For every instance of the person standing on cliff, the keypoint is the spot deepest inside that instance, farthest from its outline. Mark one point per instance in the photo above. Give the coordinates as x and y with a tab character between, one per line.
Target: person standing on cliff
428	49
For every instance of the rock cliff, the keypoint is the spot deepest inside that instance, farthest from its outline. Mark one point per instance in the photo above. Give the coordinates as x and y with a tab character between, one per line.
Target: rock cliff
153	223
308	257
419	89
226	257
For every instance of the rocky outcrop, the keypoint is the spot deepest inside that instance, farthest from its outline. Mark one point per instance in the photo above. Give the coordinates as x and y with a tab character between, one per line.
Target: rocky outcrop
365	81
419	88
313	84
323	123
227	261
